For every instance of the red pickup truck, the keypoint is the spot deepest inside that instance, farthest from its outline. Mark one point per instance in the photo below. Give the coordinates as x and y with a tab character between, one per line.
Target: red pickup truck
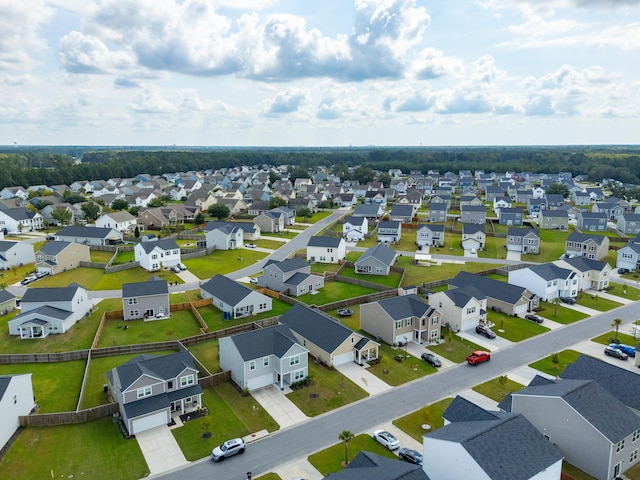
478	357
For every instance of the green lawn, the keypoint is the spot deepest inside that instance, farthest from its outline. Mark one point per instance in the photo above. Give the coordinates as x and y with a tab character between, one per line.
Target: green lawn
101	256
184	297
96	279
420	274
289	233
430	415
232	415
56	386
330	460
125	257
321	268
605	338
551	367
454	348
495	390
269	476
335	291
514	329
94	450
391	280
353	322
329	390
222	261
624	291
15	274
271	244
552	245
181	324
596	302
396	373
213	317
207	354
316	217
560	314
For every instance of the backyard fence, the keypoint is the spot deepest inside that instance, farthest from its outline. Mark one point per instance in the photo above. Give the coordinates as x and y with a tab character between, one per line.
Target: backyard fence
68	418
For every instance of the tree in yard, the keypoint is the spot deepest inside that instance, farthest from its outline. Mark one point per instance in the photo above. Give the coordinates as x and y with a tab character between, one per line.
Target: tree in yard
219	211
120	204
61	215
558	188
20	227
503	382
136	232
305	213
616	323
91	210
346	436
277	202
199	219
134	209
156	202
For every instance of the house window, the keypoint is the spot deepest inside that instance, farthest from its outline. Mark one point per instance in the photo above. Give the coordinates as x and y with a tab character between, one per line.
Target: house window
154	256
378	269
132	301
252	365
434	321
620	445
408	322
294	360
144	392
262	306
471	310
434	334
298	375
329	250
633	456
15	400
636	435
170	384
265	362
322	258
398	323
187	380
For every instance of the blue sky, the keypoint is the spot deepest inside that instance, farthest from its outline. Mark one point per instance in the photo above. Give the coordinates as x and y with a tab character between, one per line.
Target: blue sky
331	72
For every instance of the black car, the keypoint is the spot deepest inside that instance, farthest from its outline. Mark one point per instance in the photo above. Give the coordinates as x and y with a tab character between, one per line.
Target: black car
623	270
411	456
568	300
534	318
486	331
431	359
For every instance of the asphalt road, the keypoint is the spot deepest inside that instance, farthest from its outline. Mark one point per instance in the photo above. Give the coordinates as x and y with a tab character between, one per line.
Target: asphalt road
288	445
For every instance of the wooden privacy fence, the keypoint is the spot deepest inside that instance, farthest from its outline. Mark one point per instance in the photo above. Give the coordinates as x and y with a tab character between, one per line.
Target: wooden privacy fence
67	418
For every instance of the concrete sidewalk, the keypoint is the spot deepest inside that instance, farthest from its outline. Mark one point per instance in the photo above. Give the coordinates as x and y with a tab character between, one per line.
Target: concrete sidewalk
160	450
281	409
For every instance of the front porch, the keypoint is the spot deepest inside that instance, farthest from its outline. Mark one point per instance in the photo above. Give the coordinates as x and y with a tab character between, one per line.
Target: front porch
34	329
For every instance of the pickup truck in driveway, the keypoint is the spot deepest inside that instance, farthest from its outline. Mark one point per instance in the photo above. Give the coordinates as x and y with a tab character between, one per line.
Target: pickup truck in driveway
477	357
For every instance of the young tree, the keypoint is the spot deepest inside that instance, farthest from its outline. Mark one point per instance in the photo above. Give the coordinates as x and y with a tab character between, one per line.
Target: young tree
156	202
199	218
91	210
305	213
616	323
136	232
277	202
346	436
219	211
61	215
120	204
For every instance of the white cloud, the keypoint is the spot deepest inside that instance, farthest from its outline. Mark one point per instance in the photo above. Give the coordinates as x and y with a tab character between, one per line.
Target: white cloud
284	103
81	53
21	42
150	101
433	63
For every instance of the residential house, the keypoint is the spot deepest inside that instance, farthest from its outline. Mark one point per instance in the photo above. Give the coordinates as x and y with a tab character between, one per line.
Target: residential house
523	240
518	450
16	400
494	192
595	247
270	221
629	223
546	280
462	309
8	301
372	212
470	199
611	209
268	356
572	211
354	229
156	255
223	236
12	192
438	212
148	299
50	311
592	222
400	185
501	203
153	218
602	440
511	216
326	249
389	231
292	274
592	274
536	205
473	236
402	213
234	299
522	195
538	192
236	206
501	296
289	215
343	200
473	214
149	389
57	257
553	220
250	231
428	235
629	257
440	198
326	339
376	260
15	254
21	219
413	197
378	197
201	199
581	199
367	465
122	221
92	236
258	207
296	204
399	320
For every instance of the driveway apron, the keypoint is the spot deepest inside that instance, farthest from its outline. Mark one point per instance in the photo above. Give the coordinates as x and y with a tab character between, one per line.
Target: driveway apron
160	450
281	409
363	378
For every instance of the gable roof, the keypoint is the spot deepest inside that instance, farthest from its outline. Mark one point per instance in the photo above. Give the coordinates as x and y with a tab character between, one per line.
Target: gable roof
51	294
371	466
550	271
405	306
165	244
584	264
275	340
583	237
462	296
462	410
87	232
402	210
472	228
366	210
6	295
153	286
289	264
490	287
54	247
522	232
359	221
226	289
325	241
164	367
380	252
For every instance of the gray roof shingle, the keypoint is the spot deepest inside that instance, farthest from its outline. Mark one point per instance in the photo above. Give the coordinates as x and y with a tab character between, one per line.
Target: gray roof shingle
325	241
405	306
489	287
227	290
316	326
266	341
153	286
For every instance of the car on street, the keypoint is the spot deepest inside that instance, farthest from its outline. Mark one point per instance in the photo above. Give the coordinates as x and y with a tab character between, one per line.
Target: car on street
411	456
568	300
386	439
228	449
486	331
534	318
29	279
628	349
622	271
431	359
615	352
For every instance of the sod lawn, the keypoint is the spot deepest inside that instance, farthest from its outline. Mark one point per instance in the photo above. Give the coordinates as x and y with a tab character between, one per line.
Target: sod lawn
222	262
454	348
395	372
556	363
430	415
498	388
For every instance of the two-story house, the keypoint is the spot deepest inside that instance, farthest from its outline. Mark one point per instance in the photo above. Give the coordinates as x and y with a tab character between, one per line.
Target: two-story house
473	236
92	236
389	231
148	299
122	221
326	249
595	247
462	309
402	213
270	221
629	223
16	400
149	389
438	212
523	240
158	254
592	274
553	220
354	229
629	257
476	214
511	216
15	254
592	222
234	299
430	235
223	236
547	281
18	220
292	275
57	257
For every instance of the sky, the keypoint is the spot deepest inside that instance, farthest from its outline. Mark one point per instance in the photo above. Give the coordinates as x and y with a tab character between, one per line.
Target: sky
319	73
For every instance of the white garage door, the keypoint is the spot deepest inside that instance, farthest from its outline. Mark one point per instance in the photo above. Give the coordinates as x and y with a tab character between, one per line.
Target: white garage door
146	423
344	358
260	382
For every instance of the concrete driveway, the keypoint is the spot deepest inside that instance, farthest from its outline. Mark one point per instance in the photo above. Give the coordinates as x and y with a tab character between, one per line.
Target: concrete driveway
299	469
490	344
160	450
363	378
281	409
517	256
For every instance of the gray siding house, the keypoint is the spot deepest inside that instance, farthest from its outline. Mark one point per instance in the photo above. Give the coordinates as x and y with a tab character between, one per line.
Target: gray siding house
376	260
476	214
428	235
389	231
234	299
523	240
15	254
592	222
438	212
553	220
511	216
293	274
145	299
595	247
629	257
629	223
90	235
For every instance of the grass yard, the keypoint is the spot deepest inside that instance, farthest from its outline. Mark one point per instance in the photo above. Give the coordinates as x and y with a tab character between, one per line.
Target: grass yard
329	390
269	476
335	291
184	297
270	244
420	274
391	280
213	317
430	415
560	314
454	348
100	256
56	386
514	329
395	373
232	415
624	338
321	268
624	291
222	261
96	279
562	359
596	302
289	233
353	322
207	355
92	446
577	474
330	460
181	324
15	274
496	390
125	257
552	245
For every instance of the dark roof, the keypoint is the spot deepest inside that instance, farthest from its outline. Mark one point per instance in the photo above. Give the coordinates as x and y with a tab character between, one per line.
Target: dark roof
462	410
438	206
7	245
371	466
166	244
297	278
380	252
585	264
159	402
473	208
325	241
45	313
226	227
20	213
505	404
227	290
354	220
550	271
461	296
434	227
54	248
522	231
265	341
51	294
471	228
153	286
164	367
316	326
389	224
402	210
622	384
494	444
554	213
6	295
582	237
289	264
489	287
87	232
366	210
405	306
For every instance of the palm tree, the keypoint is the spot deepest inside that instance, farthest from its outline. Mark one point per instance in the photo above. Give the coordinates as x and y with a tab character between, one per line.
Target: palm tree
616	323
346	436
